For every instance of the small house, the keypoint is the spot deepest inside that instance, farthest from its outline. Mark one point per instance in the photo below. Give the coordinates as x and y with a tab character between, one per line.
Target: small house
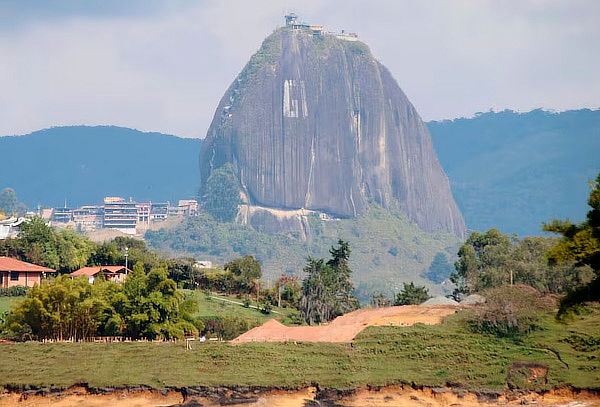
15	272
118	274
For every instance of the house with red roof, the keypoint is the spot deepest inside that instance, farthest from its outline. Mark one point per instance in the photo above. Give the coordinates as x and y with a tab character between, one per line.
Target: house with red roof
15	272
118	274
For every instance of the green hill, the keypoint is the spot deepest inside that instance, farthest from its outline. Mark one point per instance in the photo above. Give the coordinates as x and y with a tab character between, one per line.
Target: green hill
387	249
82	164
514	171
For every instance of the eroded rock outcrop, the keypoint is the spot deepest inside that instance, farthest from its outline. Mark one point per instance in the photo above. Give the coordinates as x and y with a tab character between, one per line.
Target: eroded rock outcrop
315	122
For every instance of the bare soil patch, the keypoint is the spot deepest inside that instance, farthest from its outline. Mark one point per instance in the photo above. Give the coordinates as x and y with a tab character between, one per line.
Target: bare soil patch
346	327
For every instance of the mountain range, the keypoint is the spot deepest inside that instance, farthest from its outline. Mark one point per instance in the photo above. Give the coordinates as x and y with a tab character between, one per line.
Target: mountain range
507	170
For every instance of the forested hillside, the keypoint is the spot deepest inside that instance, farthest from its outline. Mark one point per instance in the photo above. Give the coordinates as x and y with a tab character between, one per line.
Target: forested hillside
514	171
82	164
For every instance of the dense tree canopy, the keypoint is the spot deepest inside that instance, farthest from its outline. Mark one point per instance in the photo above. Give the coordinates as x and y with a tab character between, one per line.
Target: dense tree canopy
327	287
222	194
580	243
245	269
493	259
66	250
145	306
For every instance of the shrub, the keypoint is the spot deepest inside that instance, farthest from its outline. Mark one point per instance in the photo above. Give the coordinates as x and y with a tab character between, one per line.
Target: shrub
265	308
227	328
510	311
412	294
574	301
18	291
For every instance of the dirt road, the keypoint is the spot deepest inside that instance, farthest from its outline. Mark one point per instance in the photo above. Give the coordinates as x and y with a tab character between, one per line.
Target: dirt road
346	327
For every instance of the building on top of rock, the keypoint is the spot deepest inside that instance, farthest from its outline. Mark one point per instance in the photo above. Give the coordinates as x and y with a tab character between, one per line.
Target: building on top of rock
291	21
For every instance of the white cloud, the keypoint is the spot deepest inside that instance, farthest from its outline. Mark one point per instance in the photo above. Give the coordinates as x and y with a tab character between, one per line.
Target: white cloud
166	70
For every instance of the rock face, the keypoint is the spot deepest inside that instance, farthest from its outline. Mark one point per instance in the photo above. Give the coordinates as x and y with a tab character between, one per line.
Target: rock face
315	122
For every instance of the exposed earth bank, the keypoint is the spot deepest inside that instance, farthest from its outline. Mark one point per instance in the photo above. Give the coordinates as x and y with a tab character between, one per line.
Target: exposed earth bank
389	396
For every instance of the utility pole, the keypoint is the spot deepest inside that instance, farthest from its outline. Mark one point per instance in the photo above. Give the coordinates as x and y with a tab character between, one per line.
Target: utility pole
126	255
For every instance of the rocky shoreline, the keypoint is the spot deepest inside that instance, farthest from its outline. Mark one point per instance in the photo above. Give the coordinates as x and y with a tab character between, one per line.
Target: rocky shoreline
405	395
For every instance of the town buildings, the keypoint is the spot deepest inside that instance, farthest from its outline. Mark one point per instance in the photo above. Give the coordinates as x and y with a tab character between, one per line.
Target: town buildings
15	272
118	213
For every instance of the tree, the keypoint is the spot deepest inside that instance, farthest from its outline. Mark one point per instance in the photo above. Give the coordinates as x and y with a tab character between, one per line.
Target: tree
580	243
39	243
145	306
412	295
342	281
493	259
481	252
63	309
246	271
316	303
288	291
327	288
222	194
9	204
379	300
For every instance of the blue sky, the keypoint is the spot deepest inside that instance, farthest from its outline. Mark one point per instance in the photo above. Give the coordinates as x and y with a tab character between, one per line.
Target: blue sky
163	65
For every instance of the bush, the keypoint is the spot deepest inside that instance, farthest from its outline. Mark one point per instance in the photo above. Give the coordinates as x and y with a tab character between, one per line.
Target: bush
265	308
412	294
510	311
18	291
574	301
227	328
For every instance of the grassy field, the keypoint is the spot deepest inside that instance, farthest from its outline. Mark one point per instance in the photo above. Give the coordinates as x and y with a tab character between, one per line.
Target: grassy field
221	305
427	355
213	305
6	303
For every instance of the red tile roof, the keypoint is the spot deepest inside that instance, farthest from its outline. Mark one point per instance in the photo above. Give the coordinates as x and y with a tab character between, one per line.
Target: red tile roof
92	271
10	264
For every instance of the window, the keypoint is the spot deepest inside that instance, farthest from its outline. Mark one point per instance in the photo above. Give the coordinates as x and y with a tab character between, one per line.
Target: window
14	275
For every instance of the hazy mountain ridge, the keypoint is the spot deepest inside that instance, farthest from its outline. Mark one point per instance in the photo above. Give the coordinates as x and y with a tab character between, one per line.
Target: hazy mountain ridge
515	170
82	164
538	161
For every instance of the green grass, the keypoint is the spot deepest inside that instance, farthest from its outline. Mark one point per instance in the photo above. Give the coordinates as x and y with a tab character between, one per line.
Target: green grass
214	307
425	355
7	302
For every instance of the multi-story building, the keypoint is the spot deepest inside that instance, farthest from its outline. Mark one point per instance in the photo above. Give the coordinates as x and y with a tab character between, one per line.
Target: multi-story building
188	207
62	215
185	207
144	209
159	211
120	214
88	217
